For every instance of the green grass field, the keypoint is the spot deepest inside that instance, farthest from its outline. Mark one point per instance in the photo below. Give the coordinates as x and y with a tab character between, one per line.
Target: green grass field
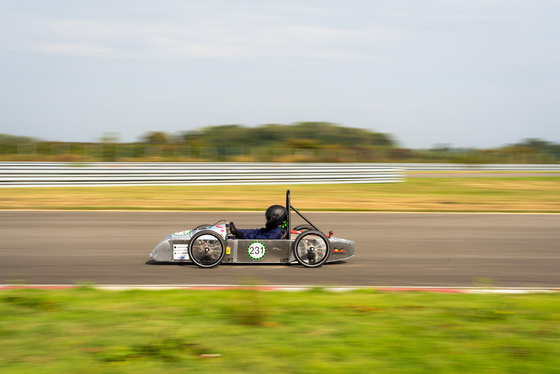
492	194
87	330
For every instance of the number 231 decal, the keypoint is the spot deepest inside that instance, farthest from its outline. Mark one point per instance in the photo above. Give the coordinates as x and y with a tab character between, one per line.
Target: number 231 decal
256	250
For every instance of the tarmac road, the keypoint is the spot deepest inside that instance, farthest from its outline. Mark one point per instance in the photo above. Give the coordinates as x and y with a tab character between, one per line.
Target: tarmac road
392	249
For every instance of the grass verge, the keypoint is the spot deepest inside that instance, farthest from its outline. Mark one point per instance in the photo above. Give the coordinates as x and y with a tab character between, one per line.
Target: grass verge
493	194
87	330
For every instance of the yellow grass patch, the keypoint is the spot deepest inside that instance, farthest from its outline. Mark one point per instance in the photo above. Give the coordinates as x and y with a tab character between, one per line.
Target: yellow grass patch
531	194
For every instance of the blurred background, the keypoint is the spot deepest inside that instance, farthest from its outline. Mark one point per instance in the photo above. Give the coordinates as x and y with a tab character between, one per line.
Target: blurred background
300	142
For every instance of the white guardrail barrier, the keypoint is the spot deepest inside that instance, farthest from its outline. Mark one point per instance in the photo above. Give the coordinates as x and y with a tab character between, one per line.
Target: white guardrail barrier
40	174
44	174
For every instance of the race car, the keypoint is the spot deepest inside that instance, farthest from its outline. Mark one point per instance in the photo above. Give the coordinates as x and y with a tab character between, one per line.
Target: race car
210	245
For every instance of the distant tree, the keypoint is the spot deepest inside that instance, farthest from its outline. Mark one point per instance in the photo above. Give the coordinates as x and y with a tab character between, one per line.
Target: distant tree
441	148
110	137
554	150
228	136
194	138
330	133
401	153
156	137
304	143
536	144
312	134
6	138
270	134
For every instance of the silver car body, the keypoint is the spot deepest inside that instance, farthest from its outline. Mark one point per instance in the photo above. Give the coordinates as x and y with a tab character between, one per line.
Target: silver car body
174	248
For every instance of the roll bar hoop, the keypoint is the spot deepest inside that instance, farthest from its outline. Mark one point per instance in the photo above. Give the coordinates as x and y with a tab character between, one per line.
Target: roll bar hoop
289	207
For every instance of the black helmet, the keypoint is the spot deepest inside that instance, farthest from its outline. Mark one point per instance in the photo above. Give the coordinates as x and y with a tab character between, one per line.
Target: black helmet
275	216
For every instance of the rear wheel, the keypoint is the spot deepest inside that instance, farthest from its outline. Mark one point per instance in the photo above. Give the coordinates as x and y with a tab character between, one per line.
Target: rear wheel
312	248
207	249
303	227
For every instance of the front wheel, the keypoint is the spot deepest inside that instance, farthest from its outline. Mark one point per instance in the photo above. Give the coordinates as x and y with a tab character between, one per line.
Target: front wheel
312	248
207	249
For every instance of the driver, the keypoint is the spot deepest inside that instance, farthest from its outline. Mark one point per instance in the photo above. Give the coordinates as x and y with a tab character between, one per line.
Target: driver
275	228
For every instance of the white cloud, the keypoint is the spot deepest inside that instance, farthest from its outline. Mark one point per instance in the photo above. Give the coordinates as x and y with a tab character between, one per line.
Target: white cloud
78	49
205	30
173	41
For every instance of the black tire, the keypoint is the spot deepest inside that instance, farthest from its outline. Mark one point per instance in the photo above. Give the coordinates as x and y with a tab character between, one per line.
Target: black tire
303	227
207	249
312	248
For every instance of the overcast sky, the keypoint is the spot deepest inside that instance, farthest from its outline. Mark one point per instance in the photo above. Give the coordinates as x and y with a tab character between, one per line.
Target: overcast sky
472	73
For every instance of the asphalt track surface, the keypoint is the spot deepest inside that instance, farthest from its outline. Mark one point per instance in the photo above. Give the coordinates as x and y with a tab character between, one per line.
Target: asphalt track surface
392	249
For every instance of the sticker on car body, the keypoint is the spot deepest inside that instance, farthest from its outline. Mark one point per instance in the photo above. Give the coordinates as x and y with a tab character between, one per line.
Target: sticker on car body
180	251
182	233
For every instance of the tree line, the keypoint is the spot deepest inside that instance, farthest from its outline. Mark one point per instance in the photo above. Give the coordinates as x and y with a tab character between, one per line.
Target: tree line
300	135
303	141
